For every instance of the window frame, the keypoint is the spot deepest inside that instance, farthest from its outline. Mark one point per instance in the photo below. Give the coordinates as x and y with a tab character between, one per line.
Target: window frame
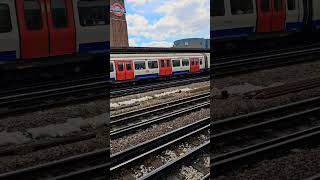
139	61
41	18
251	8
223	11
9	13
156	62
66	15
185	60
107	20
174	60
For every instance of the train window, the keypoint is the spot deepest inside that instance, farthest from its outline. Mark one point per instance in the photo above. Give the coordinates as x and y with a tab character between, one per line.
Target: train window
139	65
5	21
152	64
162	63
93	13
241	7
197	61
59	13
32	12
265	6
291	5
168	63
200	61
128	66
120	66
185	62
278	5
176	63
111	67
218	8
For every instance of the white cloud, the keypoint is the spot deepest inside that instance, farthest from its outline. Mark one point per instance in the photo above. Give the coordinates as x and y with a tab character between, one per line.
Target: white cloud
182	18
137	2
132	42
157	44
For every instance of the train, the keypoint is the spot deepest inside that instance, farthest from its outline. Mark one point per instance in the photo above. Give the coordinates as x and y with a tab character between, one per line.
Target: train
52	30
233	20
135	67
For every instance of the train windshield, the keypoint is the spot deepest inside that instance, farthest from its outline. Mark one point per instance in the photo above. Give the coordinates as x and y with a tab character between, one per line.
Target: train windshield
93	13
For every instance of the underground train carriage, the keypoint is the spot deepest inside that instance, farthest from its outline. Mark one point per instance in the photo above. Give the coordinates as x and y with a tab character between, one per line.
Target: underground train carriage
47	28
162	67
234	19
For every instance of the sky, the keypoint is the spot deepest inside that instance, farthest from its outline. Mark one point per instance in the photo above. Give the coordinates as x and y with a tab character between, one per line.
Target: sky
158	23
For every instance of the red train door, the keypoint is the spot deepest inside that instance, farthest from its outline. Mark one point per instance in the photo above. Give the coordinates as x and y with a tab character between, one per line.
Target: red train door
194	65
129	70
197	65
162	67
278	15
61	27
264	15
120	72
169	67
34	35
124	70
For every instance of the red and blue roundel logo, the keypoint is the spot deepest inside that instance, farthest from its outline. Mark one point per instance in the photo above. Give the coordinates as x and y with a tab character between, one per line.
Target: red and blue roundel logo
117	9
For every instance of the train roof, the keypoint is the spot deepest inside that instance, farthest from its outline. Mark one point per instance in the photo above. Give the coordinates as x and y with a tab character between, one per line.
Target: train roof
117	56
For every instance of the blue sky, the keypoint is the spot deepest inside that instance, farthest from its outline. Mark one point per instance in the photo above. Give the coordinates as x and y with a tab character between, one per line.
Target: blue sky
158	23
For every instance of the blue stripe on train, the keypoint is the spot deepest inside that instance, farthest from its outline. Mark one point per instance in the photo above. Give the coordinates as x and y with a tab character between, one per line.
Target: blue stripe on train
294	26
96	47
316	24
180	72
235	32
146	76
8	55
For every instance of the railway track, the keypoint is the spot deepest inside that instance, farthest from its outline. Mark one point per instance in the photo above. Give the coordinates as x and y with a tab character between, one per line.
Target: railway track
153	148
248	64
53	94
118	92
265	134
124	124
94	164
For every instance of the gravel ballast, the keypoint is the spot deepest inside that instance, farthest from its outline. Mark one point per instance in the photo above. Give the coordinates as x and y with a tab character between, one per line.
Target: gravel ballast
301	164
123	143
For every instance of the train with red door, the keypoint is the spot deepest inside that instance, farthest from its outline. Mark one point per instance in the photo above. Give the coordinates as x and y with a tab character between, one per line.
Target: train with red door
263	19
133	67
52	31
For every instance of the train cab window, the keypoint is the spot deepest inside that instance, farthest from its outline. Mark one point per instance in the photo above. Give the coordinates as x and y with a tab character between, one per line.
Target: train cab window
111	67
218	8
5	21
265	6
120	66
139	65
176	63
59	13
241	7
278	5
32	12
128	66
291	5
185	62
93	13
168	63
152	64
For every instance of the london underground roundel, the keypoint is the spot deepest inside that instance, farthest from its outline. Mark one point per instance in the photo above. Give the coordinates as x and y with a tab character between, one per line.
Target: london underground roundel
117	9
